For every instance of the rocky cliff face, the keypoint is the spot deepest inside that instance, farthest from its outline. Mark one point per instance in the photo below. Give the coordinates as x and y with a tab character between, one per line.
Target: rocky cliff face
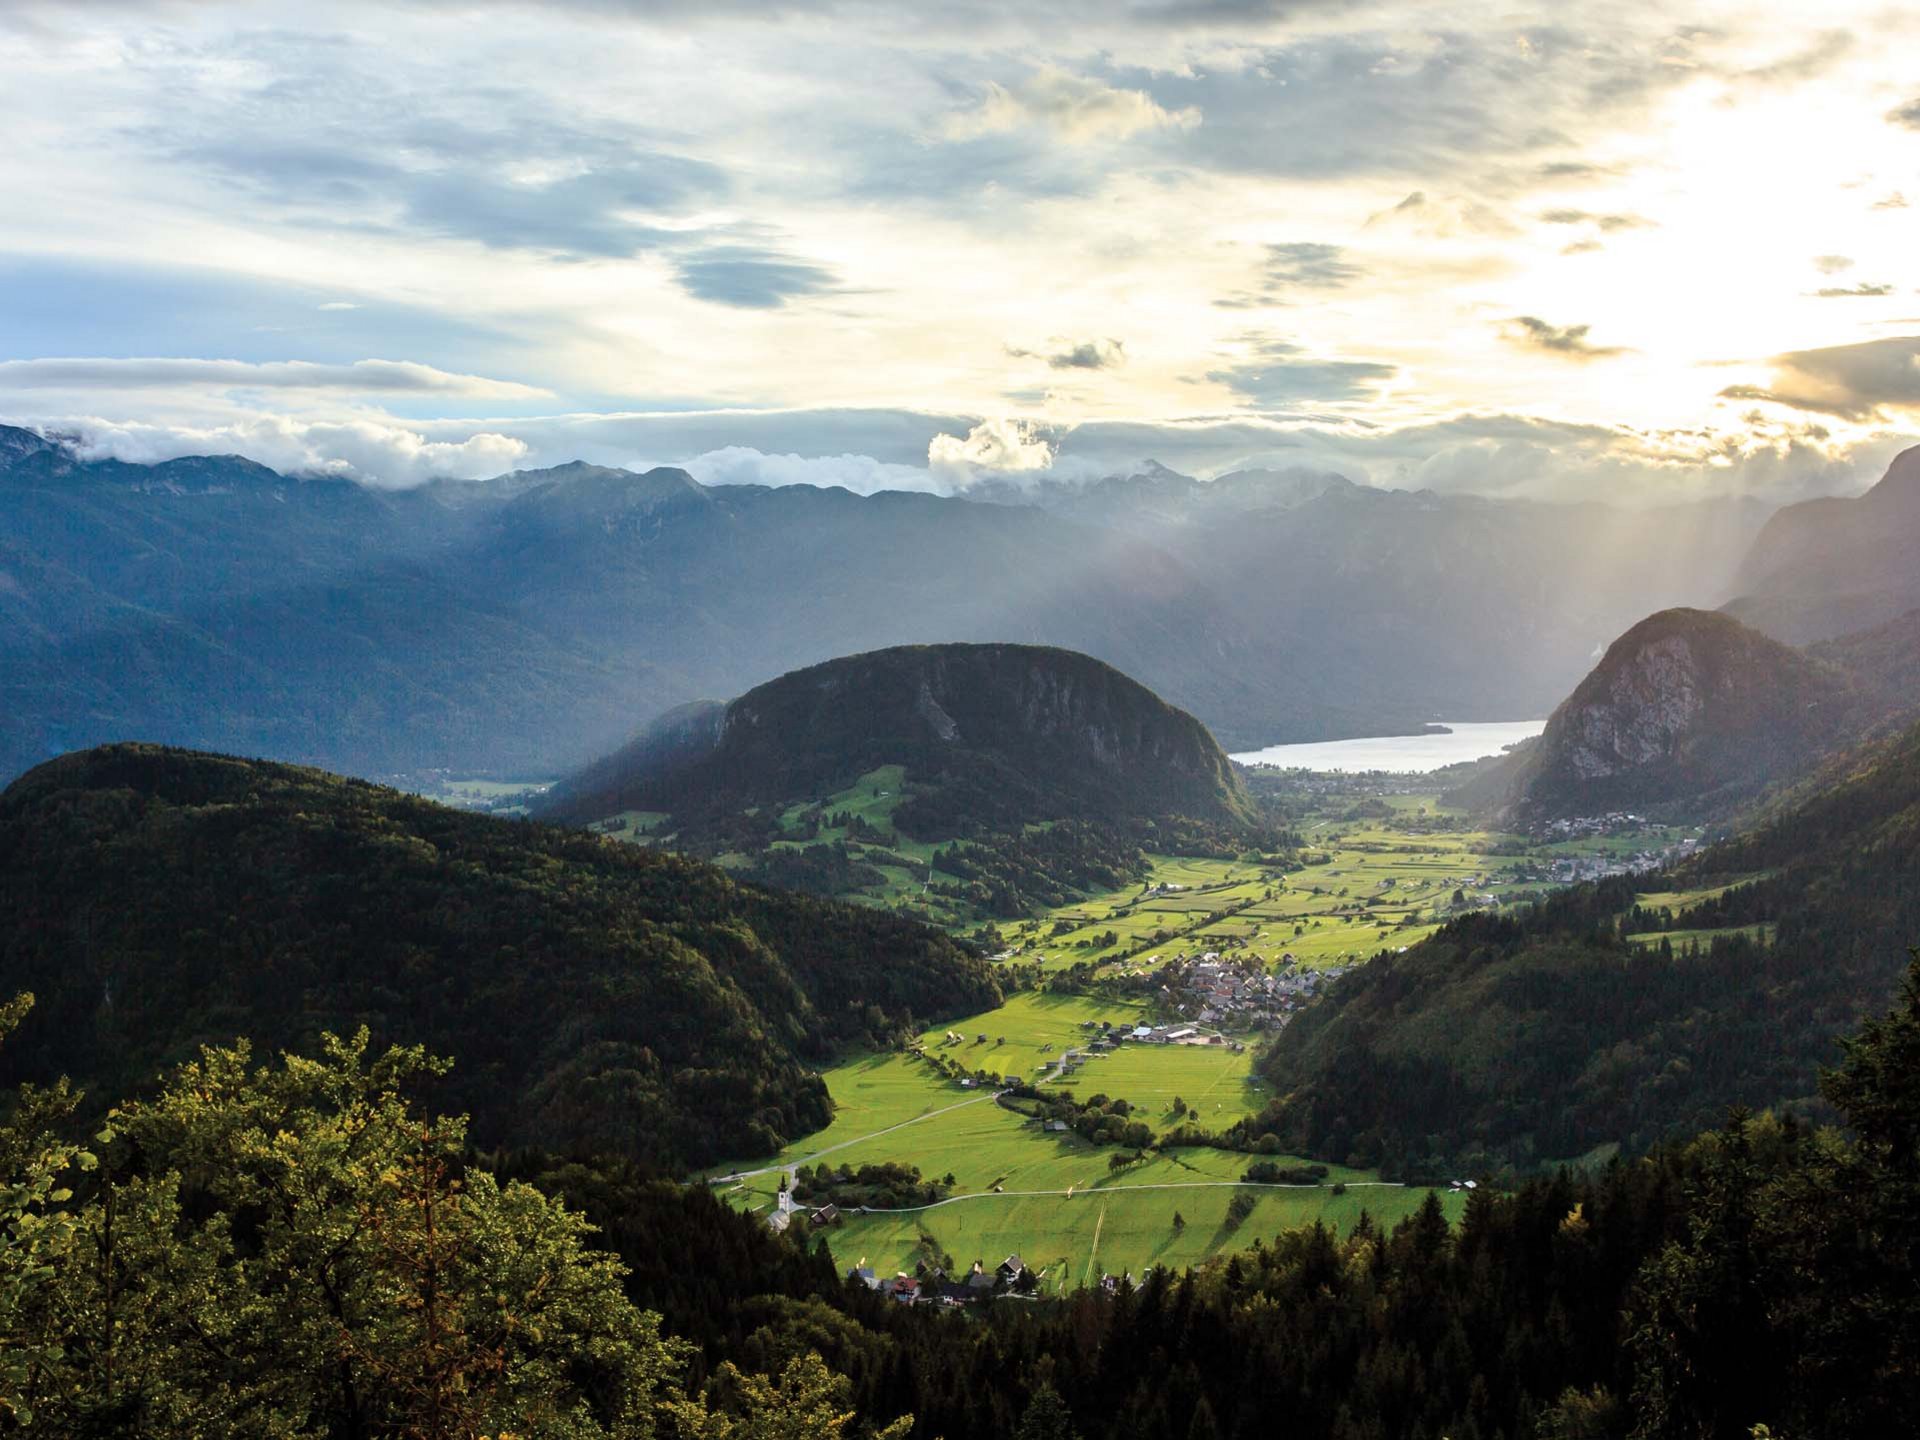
1047	732
1688	709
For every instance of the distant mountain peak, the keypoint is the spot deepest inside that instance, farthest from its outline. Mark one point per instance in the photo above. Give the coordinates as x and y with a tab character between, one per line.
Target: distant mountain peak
17	443
1902	479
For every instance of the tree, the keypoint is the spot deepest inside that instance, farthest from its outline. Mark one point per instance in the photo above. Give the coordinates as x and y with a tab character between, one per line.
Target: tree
1046	1417
807	1402
35	1231
292	1250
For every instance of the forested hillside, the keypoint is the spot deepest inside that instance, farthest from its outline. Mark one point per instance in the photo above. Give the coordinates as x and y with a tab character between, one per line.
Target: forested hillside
1541	1036
592	994
991	737
1005	775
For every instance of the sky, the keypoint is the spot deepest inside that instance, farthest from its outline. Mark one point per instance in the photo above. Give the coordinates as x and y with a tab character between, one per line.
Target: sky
1637	253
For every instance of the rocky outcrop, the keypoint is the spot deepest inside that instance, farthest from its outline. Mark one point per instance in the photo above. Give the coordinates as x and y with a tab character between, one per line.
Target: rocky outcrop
1688	711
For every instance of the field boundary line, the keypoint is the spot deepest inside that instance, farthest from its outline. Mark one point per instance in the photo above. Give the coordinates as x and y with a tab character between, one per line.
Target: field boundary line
1106	1192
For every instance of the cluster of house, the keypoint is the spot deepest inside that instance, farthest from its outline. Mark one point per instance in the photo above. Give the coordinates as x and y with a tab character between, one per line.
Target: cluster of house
1567	869
1226	990
936	1287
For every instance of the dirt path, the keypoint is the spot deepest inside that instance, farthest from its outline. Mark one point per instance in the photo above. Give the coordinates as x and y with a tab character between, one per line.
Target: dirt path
857	1140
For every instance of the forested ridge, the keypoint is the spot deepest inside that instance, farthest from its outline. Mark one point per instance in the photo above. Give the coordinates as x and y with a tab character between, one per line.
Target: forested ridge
594	995
1521	1039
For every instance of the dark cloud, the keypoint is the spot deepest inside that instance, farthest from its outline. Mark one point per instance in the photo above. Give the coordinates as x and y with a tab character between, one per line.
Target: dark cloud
1275	377
1574	170
1570	341
1907	115
1854	382
1295	264
1083	355
749	278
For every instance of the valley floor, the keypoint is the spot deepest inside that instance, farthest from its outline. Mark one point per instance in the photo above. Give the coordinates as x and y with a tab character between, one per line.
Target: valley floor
1014	1186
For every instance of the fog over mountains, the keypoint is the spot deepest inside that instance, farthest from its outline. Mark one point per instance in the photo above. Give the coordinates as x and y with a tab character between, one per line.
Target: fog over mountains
528	623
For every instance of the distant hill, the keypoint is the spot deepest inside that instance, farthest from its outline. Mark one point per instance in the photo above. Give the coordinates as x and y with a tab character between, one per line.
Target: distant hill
1829	567
1688	712
993	777
591	994
991	736
522	625
1521	1040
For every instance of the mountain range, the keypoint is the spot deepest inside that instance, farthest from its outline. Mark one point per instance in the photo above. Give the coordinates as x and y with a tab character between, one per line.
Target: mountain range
524	625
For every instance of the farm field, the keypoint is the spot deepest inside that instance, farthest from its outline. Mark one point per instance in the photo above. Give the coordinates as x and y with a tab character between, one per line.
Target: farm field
1377	889
1037	1028
1113	1228
947	1131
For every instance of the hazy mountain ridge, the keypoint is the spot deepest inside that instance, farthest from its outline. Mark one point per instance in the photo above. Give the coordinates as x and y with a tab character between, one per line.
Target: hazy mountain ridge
1829	567
525	624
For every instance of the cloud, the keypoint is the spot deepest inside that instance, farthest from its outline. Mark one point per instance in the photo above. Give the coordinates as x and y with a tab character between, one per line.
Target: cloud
1007	449
1309	263
1845	292
338	305
1083	355
1832	264
1807	63
1079	110
1907	115
1894	201
366	376
1854	382
1600	221
377	454
1274	377
862	474
1533	333
1295	264
749	278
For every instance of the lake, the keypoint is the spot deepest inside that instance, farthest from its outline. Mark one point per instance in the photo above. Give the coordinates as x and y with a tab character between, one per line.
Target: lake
1400	752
